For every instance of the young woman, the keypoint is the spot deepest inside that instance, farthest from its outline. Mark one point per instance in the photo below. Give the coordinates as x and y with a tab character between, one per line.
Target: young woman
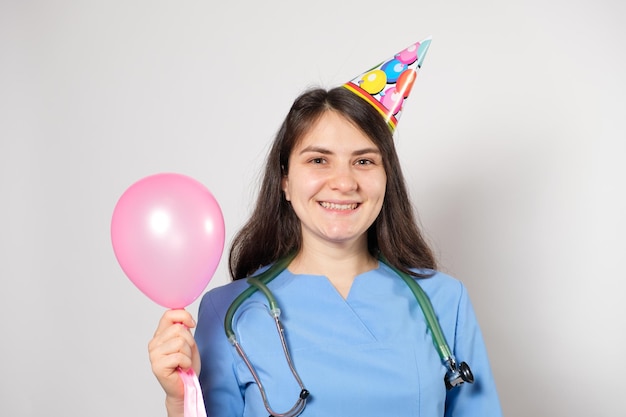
332	206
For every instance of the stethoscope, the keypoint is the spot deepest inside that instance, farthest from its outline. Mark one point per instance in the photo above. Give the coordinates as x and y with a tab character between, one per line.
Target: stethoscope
456	373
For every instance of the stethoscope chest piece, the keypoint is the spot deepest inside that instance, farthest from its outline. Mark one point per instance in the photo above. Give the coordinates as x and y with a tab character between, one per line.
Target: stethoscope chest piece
457	375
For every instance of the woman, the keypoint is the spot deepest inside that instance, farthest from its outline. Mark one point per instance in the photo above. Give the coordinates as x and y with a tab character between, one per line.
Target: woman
334	196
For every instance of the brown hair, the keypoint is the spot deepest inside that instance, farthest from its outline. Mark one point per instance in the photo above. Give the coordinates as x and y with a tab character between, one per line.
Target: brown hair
273	230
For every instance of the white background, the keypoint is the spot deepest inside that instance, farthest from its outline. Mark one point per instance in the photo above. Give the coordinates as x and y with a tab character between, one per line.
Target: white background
512	143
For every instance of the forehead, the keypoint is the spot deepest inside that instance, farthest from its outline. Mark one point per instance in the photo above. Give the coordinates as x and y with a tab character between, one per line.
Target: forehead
334	132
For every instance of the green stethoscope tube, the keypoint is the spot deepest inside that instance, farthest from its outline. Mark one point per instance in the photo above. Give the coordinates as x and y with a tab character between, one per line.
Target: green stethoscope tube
264	278
267	276
259	283
439	340
456	374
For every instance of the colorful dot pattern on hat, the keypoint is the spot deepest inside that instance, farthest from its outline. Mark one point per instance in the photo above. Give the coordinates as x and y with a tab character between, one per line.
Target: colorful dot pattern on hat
388	85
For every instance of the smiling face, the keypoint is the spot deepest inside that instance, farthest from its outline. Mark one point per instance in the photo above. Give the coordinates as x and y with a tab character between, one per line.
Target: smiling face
335	183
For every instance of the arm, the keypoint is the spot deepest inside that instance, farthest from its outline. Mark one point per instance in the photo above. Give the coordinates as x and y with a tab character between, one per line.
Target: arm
479	399
173	347
218	379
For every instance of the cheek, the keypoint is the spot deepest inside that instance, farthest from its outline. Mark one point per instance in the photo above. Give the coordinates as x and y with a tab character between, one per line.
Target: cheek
305	184
381	186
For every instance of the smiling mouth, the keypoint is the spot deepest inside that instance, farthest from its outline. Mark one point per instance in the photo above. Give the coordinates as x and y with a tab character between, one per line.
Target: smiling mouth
335	206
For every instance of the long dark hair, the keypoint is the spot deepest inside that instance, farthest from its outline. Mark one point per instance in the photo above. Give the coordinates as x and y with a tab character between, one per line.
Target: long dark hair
273	230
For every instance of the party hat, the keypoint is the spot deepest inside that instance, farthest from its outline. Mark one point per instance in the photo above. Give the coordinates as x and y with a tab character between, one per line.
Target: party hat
388	85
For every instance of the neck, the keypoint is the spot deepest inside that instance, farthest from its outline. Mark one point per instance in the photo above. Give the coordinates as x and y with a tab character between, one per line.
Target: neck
339	265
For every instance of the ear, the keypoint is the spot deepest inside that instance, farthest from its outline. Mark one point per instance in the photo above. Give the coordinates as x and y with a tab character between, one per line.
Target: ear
284	183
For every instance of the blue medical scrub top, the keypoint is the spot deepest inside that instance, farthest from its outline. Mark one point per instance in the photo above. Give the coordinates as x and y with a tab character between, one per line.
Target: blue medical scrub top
370	354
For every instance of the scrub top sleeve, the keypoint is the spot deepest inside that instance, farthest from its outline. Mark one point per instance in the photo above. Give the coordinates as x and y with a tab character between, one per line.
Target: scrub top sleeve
479	399
220	387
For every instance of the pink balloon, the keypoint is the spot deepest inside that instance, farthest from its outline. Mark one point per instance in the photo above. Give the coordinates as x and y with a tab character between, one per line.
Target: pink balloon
167	232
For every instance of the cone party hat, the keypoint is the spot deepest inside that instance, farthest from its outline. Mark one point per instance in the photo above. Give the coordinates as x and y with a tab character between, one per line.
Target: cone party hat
388	85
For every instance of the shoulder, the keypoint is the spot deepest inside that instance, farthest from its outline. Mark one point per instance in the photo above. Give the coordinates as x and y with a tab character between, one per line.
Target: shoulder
440	284
209	332
217	300
447	294
448	297
440	287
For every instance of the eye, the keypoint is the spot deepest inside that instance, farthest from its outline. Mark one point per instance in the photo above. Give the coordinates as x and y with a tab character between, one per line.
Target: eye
364	162
317	161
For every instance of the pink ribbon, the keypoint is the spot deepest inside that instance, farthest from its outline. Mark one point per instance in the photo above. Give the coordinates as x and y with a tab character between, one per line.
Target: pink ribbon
194	403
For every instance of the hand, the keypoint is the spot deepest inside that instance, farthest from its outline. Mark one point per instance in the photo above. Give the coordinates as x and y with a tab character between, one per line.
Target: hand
173	347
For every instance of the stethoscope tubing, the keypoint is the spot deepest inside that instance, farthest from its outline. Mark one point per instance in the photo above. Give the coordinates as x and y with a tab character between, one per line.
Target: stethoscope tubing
456	374
439	340
268	275
265	277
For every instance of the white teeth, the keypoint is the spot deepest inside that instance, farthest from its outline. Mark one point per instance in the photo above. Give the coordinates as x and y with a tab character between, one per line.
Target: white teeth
333	206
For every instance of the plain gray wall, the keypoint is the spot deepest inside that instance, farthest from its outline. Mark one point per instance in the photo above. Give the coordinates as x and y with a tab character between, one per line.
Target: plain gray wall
512	143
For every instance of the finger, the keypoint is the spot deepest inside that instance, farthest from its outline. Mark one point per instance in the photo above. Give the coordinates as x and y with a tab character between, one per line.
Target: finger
174	331
171	317
169	356
171	346
166	365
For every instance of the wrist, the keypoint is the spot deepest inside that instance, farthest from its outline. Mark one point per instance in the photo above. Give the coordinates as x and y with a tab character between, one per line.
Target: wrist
175	407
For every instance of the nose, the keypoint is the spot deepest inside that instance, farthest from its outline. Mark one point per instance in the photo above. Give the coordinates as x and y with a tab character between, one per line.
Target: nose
343	179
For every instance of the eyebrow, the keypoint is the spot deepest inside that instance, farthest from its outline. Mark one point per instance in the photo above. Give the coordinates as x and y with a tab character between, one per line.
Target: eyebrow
325	151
